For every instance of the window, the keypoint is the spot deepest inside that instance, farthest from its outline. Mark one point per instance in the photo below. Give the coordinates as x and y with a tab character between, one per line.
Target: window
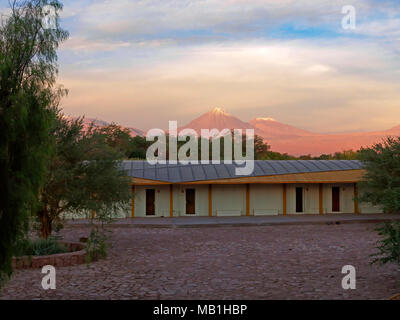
190	201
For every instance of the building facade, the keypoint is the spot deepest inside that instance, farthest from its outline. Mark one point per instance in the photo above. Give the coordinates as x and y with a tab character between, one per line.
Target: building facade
281	187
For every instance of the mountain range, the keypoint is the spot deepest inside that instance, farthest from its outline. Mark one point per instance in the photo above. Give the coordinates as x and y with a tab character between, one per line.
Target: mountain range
101	123
281	137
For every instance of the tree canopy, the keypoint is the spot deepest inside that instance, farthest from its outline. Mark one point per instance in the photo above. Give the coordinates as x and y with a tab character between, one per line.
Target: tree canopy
381	183
28	95
84	174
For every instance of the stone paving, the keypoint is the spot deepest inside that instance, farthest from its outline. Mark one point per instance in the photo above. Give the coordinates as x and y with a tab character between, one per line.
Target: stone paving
260	262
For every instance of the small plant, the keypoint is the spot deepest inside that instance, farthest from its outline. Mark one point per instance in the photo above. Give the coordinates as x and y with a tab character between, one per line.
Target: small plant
389	245
40	247
96	245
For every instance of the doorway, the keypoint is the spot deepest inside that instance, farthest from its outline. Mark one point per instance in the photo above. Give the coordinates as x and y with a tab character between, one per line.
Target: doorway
335	199
299	199
190	201
150	202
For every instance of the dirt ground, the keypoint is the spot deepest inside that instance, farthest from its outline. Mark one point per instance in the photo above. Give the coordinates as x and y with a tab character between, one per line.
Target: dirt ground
269	262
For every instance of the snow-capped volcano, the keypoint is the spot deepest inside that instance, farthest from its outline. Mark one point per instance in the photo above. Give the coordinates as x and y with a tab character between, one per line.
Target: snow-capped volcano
281	137
266	127
219	119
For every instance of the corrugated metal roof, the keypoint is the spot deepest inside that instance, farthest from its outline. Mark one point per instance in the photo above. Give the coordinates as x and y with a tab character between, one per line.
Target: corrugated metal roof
176	173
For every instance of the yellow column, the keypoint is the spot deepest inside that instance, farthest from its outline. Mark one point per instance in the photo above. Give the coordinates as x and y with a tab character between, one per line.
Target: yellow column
133	201
284	200
247	199
93	214
321	199
356	210
171	201
210	200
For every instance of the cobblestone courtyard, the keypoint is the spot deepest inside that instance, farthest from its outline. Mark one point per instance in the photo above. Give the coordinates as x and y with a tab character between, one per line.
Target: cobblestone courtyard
269	262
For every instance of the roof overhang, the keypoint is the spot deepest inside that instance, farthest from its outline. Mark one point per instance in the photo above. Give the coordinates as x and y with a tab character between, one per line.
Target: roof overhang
342	176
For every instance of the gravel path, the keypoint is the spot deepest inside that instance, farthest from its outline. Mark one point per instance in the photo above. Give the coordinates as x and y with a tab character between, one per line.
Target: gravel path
269	262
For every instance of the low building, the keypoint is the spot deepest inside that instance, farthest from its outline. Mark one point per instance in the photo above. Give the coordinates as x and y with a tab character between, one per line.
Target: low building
278	187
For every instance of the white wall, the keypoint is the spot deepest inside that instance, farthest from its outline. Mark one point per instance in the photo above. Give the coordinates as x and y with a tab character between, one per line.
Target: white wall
201	200
266	199
346	197
228	200
76	215
161	201
367	208
122	213
310	198
140	201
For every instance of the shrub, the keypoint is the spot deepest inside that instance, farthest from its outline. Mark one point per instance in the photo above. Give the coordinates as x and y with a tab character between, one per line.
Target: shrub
96	246
41	247
389	245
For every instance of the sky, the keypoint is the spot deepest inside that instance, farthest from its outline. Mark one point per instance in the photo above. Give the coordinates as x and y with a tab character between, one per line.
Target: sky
141	63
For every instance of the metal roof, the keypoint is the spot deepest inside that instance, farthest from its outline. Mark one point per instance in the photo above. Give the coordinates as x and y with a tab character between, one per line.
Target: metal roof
176	173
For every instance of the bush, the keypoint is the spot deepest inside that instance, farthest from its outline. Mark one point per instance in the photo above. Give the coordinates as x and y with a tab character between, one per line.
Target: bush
41	247
96	246
389	245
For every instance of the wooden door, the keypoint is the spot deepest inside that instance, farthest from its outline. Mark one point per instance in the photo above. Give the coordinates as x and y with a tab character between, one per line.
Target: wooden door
190	201
150	202
335	199
299	199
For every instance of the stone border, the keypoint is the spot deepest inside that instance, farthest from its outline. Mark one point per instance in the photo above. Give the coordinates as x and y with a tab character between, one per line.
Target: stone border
76	256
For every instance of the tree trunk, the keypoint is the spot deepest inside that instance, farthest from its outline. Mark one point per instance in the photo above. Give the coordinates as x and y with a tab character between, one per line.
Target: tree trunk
45	224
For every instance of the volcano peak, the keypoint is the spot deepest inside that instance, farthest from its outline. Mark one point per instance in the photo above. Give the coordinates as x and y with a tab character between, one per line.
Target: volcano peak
219	111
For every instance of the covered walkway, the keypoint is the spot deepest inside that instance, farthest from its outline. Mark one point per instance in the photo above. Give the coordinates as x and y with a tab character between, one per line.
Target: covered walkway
192	222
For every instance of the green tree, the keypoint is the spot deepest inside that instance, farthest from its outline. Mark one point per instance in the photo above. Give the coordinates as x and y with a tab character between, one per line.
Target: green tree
138	148
343	155
279	156
389	244
381	183
305	157
28	69
118	138
381	186
84	175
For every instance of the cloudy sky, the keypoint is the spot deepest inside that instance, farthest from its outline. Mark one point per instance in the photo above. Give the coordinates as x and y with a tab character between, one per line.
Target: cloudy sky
141	63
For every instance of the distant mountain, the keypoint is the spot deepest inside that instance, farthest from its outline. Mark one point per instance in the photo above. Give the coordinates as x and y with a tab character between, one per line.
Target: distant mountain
136	132
96	122
395	130
281	137
285	138
217	119
101	123
269	127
